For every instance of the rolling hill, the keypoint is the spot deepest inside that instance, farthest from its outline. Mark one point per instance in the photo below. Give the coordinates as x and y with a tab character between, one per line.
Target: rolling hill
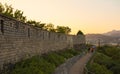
112	37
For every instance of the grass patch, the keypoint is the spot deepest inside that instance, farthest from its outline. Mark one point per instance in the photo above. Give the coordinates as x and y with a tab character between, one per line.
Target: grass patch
44	64
105	61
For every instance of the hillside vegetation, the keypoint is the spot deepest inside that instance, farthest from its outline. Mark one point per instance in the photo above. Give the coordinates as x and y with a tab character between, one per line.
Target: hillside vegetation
44	64
105	61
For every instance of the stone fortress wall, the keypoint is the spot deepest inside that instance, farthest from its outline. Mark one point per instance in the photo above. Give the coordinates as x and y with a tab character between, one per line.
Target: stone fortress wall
20	41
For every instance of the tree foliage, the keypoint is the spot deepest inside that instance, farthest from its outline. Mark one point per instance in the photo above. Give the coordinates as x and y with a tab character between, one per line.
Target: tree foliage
63	29
9	11
1	8
80	32
109	57
44	64
96	68
36	24
19	15
50	27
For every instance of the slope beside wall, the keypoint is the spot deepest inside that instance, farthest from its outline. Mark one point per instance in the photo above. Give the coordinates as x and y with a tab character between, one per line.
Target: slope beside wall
19	41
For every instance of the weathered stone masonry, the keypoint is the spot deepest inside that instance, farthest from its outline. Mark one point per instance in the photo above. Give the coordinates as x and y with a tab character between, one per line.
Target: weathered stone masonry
19	41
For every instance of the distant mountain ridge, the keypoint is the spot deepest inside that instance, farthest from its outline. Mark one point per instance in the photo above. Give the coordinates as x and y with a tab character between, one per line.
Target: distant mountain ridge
112	37
113	33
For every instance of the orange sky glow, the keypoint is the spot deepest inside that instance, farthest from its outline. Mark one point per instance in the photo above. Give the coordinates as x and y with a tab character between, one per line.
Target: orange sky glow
90	16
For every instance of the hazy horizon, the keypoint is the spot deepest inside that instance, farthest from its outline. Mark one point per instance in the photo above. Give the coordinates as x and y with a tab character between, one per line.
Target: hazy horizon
90	16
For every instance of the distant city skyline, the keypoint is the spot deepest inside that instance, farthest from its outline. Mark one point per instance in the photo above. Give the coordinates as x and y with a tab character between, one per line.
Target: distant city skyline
89	16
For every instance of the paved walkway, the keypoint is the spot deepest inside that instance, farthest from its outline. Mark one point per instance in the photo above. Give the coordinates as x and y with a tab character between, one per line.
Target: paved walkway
78	67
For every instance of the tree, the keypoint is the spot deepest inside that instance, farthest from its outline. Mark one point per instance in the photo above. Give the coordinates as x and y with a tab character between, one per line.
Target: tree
31	22
1	8
50	27
63	29
8	10
39	25
80	32
36	24
18	14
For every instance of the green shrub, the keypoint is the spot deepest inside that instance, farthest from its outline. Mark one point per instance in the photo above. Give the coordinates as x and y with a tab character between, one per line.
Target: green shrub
110	51
67	55
108	58
44	64
116	69
98	69
102	59
116	56
55	59
35	65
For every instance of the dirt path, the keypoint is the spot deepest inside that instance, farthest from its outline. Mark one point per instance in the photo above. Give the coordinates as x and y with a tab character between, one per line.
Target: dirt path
78	67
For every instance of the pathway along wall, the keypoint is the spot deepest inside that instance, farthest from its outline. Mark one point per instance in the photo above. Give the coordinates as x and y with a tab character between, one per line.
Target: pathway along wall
19	41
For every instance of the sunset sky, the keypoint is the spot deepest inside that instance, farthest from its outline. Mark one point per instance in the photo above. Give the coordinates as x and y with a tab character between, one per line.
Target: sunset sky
90	16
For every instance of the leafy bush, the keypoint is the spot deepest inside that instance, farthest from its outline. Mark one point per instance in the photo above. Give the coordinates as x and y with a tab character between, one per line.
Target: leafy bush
109	50
44	64
103	59
35	65
69	53
55	59
108	58
116	69
98	69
